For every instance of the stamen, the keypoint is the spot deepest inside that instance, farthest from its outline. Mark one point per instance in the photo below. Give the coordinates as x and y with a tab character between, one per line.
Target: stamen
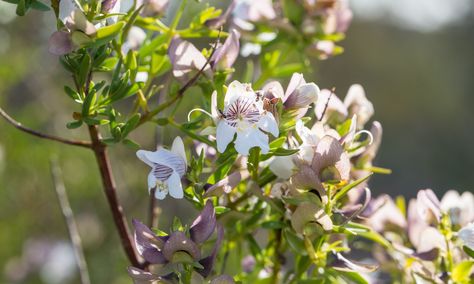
200	110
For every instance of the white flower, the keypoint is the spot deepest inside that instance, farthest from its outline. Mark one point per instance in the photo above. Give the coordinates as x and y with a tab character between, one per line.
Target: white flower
310	138
459	206
243	115
466	234
167	169
357	103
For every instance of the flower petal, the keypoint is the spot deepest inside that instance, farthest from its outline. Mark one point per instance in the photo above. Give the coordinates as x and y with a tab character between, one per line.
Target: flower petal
268	123
178	148
175	187
235	90
203	226
329	153
343	264
226	184
208	262
250	138
303	96
179	242
466	234
224	135
60	43
148	244
143	277
282	166
225	56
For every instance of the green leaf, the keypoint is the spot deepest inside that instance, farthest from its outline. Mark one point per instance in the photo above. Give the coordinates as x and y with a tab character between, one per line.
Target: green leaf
84	69
74	124
221	209
288	69
21	8
109	31
73	94
177	225
40	6
108	64
462	271
296	243
153	45
130	143
353	277
272	225
468	251
131	124
343	191
277	143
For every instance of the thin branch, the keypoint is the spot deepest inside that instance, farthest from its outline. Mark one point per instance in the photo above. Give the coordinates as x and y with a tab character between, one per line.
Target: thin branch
19	126
327	104
111	193
183	89
153	211
61	194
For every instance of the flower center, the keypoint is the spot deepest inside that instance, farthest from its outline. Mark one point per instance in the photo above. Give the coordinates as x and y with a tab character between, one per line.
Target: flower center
242	112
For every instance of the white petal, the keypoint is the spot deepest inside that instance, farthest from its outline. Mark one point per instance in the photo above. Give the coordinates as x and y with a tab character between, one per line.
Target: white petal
175	187
161	194
65	9
466	234
282	166
151	181
214	105
224	135
306	135
142	155
252	137
164	157
236	90
178	148
268	123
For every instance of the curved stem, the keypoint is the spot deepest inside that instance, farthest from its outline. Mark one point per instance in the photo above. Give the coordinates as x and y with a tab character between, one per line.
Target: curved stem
111	194
19	126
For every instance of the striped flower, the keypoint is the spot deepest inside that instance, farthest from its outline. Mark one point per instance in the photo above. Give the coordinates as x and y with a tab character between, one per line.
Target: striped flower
167	168
245	116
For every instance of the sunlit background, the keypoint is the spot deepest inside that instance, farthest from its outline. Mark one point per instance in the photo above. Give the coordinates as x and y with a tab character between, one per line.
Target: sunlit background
414	58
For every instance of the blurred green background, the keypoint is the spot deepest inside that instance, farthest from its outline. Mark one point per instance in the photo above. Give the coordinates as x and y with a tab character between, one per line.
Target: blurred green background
419	77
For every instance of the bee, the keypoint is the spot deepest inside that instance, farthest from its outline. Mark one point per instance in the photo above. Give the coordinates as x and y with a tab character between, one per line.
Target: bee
270	104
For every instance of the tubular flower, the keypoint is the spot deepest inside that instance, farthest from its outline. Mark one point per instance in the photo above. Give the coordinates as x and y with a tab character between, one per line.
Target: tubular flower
167	169
245	116
186	59
298	96
226	54
179	246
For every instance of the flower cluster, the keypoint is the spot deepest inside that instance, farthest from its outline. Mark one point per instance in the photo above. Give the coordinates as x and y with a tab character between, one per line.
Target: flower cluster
281	175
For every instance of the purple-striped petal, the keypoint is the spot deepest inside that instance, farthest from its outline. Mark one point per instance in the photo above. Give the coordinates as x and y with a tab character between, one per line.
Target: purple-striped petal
148	244
208	262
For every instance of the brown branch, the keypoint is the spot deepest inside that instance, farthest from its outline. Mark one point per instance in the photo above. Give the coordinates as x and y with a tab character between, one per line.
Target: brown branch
153	211
19	126
70	222
111	193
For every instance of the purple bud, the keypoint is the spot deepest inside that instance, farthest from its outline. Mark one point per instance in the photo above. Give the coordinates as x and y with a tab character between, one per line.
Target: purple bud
60	43
148	244
204	225
208	262
248	264
225	55
108	5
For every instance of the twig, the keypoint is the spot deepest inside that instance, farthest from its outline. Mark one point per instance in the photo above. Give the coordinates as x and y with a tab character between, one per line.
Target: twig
111	194
70	222
183	89
327	103
19	126
152	210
